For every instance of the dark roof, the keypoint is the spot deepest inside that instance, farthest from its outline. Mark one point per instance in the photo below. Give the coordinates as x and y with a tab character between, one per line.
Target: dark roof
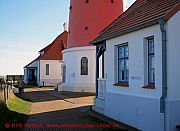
54	50
138	14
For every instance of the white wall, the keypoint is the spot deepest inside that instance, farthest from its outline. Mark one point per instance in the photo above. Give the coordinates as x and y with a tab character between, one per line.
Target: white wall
173	72
72	59
33	64
25	76
136	62
135	105
54	76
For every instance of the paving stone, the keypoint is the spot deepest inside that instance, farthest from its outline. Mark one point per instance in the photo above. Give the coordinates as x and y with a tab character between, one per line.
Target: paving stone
60	108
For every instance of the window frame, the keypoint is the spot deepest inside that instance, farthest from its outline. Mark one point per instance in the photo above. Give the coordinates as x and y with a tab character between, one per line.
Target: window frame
84	65
47	69
125	59
150	54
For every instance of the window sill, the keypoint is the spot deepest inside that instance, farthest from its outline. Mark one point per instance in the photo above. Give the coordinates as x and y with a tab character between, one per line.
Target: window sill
149	86
121	84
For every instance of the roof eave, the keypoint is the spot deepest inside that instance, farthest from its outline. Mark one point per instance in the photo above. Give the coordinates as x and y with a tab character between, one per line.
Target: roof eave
31	62
128	30
172	12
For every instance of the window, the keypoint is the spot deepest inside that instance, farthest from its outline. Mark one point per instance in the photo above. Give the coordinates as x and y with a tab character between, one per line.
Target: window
151	54
112	1
87	1
123	68
84	66
47	69
86	28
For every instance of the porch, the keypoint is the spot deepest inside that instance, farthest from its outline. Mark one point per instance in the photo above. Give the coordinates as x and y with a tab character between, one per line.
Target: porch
99	100
30	77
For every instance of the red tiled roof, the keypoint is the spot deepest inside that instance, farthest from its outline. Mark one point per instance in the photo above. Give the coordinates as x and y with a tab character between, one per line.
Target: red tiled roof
54	50
140	12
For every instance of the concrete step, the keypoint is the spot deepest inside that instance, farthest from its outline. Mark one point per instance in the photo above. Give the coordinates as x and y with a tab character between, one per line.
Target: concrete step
98	109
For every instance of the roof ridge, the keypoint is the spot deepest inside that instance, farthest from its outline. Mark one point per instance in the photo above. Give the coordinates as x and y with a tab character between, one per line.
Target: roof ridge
54	50
52	41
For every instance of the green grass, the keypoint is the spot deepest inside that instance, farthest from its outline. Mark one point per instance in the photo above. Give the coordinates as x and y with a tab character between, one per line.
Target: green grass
16	110
19	105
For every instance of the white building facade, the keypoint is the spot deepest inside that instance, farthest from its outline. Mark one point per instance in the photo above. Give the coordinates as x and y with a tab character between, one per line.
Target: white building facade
43	73
76	80
140	86
46	70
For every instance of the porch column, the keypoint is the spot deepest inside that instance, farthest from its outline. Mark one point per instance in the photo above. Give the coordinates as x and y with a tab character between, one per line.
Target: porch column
27	74
103	65
26	70
97	69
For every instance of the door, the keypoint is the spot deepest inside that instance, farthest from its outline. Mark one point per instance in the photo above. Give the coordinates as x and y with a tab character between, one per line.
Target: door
63	73
32	76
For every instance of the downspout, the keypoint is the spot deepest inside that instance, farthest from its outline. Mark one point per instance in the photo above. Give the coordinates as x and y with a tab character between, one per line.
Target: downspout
162	23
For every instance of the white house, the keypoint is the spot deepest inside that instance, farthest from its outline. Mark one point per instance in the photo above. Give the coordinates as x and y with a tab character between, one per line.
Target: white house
46	69
140	83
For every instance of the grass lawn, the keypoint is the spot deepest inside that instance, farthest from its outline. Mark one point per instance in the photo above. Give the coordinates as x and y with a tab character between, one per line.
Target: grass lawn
16	110
18	105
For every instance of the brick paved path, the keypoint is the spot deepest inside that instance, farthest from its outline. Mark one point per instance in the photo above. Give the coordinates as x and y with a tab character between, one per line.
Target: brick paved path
51	107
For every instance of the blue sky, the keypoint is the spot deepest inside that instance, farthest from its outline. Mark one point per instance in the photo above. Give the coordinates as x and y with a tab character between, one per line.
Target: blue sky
26	26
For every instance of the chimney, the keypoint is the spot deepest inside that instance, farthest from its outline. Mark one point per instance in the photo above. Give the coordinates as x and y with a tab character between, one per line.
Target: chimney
65	25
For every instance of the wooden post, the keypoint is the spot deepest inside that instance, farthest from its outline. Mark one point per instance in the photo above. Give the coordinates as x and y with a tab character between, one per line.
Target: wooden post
1	89
7	90
10	88
4	94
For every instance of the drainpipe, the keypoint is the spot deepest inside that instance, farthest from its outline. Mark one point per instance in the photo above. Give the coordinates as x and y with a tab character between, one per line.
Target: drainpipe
162	23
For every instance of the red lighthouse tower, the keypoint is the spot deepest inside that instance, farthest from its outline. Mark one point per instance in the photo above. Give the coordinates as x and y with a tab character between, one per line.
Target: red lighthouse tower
88	17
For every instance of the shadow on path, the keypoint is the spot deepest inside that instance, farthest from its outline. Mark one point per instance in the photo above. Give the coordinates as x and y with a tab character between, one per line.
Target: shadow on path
63	116
70	119
38	95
